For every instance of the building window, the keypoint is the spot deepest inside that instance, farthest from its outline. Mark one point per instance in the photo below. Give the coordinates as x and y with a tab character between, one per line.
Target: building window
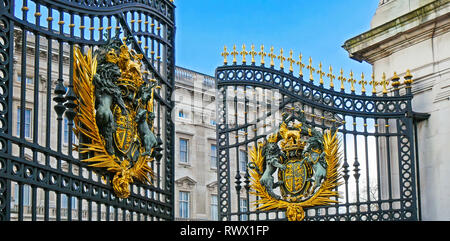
182	114
243	207
213	156
66	132
27	124
184	154
184	204
242	161
212	118
64	202
214	208
26	195
27	79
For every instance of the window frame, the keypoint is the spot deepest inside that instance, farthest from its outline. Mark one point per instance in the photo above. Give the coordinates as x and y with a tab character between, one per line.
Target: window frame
243	203
185	151
213	154
29	134
243	168
214	207
184	205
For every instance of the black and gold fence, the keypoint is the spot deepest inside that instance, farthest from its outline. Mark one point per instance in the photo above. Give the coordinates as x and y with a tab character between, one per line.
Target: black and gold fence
374	118
41	175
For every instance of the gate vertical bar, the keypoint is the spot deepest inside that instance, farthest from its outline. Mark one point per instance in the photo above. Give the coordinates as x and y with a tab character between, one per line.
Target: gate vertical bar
223	168
408	190
6	115
366	153
47	169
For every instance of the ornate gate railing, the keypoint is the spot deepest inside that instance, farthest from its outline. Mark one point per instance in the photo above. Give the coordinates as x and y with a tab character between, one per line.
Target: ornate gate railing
41	175
375	129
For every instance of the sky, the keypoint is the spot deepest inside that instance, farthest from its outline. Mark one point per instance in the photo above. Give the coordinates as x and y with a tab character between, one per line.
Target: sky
316	29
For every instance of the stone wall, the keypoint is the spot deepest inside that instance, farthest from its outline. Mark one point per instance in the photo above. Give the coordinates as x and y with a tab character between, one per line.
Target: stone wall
415	35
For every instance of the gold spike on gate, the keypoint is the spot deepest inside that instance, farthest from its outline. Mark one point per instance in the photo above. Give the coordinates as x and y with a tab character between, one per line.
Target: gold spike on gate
331	77
224	55
374	84
300	65
234	53
271	55
253	53
281	58
352	81
291	61
342	79
363	83
384	83
244	54
408	78
395	80
320	73
262	54
311	69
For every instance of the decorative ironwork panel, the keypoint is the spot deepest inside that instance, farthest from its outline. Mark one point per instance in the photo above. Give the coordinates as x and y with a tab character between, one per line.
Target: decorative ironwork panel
375	131
41	175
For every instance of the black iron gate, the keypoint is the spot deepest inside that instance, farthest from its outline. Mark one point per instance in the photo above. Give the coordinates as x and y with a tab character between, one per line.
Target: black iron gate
41	176
375	128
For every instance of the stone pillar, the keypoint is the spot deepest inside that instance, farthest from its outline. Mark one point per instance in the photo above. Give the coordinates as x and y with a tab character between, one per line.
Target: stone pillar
415	35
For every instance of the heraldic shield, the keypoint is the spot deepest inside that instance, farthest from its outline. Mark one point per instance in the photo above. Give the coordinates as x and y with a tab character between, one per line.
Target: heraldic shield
115	113
308	165
295	177
125	130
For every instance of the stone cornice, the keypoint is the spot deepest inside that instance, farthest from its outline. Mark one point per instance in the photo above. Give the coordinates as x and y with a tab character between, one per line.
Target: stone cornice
185	182
212	186
413	27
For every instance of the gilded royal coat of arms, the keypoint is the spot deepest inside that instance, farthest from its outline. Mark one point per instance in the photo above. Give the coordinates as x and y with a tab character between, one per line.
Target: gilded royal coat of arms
115	113
306	162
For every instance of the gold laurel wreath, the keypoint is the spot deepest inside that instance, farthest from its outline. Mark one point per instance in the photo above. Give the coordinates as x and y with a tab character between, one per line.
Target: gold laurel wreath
294	210
85	67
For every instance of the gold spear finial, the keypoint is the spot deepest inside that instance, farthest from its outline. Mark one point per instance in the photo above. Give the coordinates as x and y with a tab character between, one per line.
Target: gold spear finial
225	54
234	53
244	54
291	60
281	58
331	77
271	56
321	73
262	54
342	79
311	69
408	77
395	77
395	80
253	53
363	83
384	83
408	74
352	81
374	84
300	64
